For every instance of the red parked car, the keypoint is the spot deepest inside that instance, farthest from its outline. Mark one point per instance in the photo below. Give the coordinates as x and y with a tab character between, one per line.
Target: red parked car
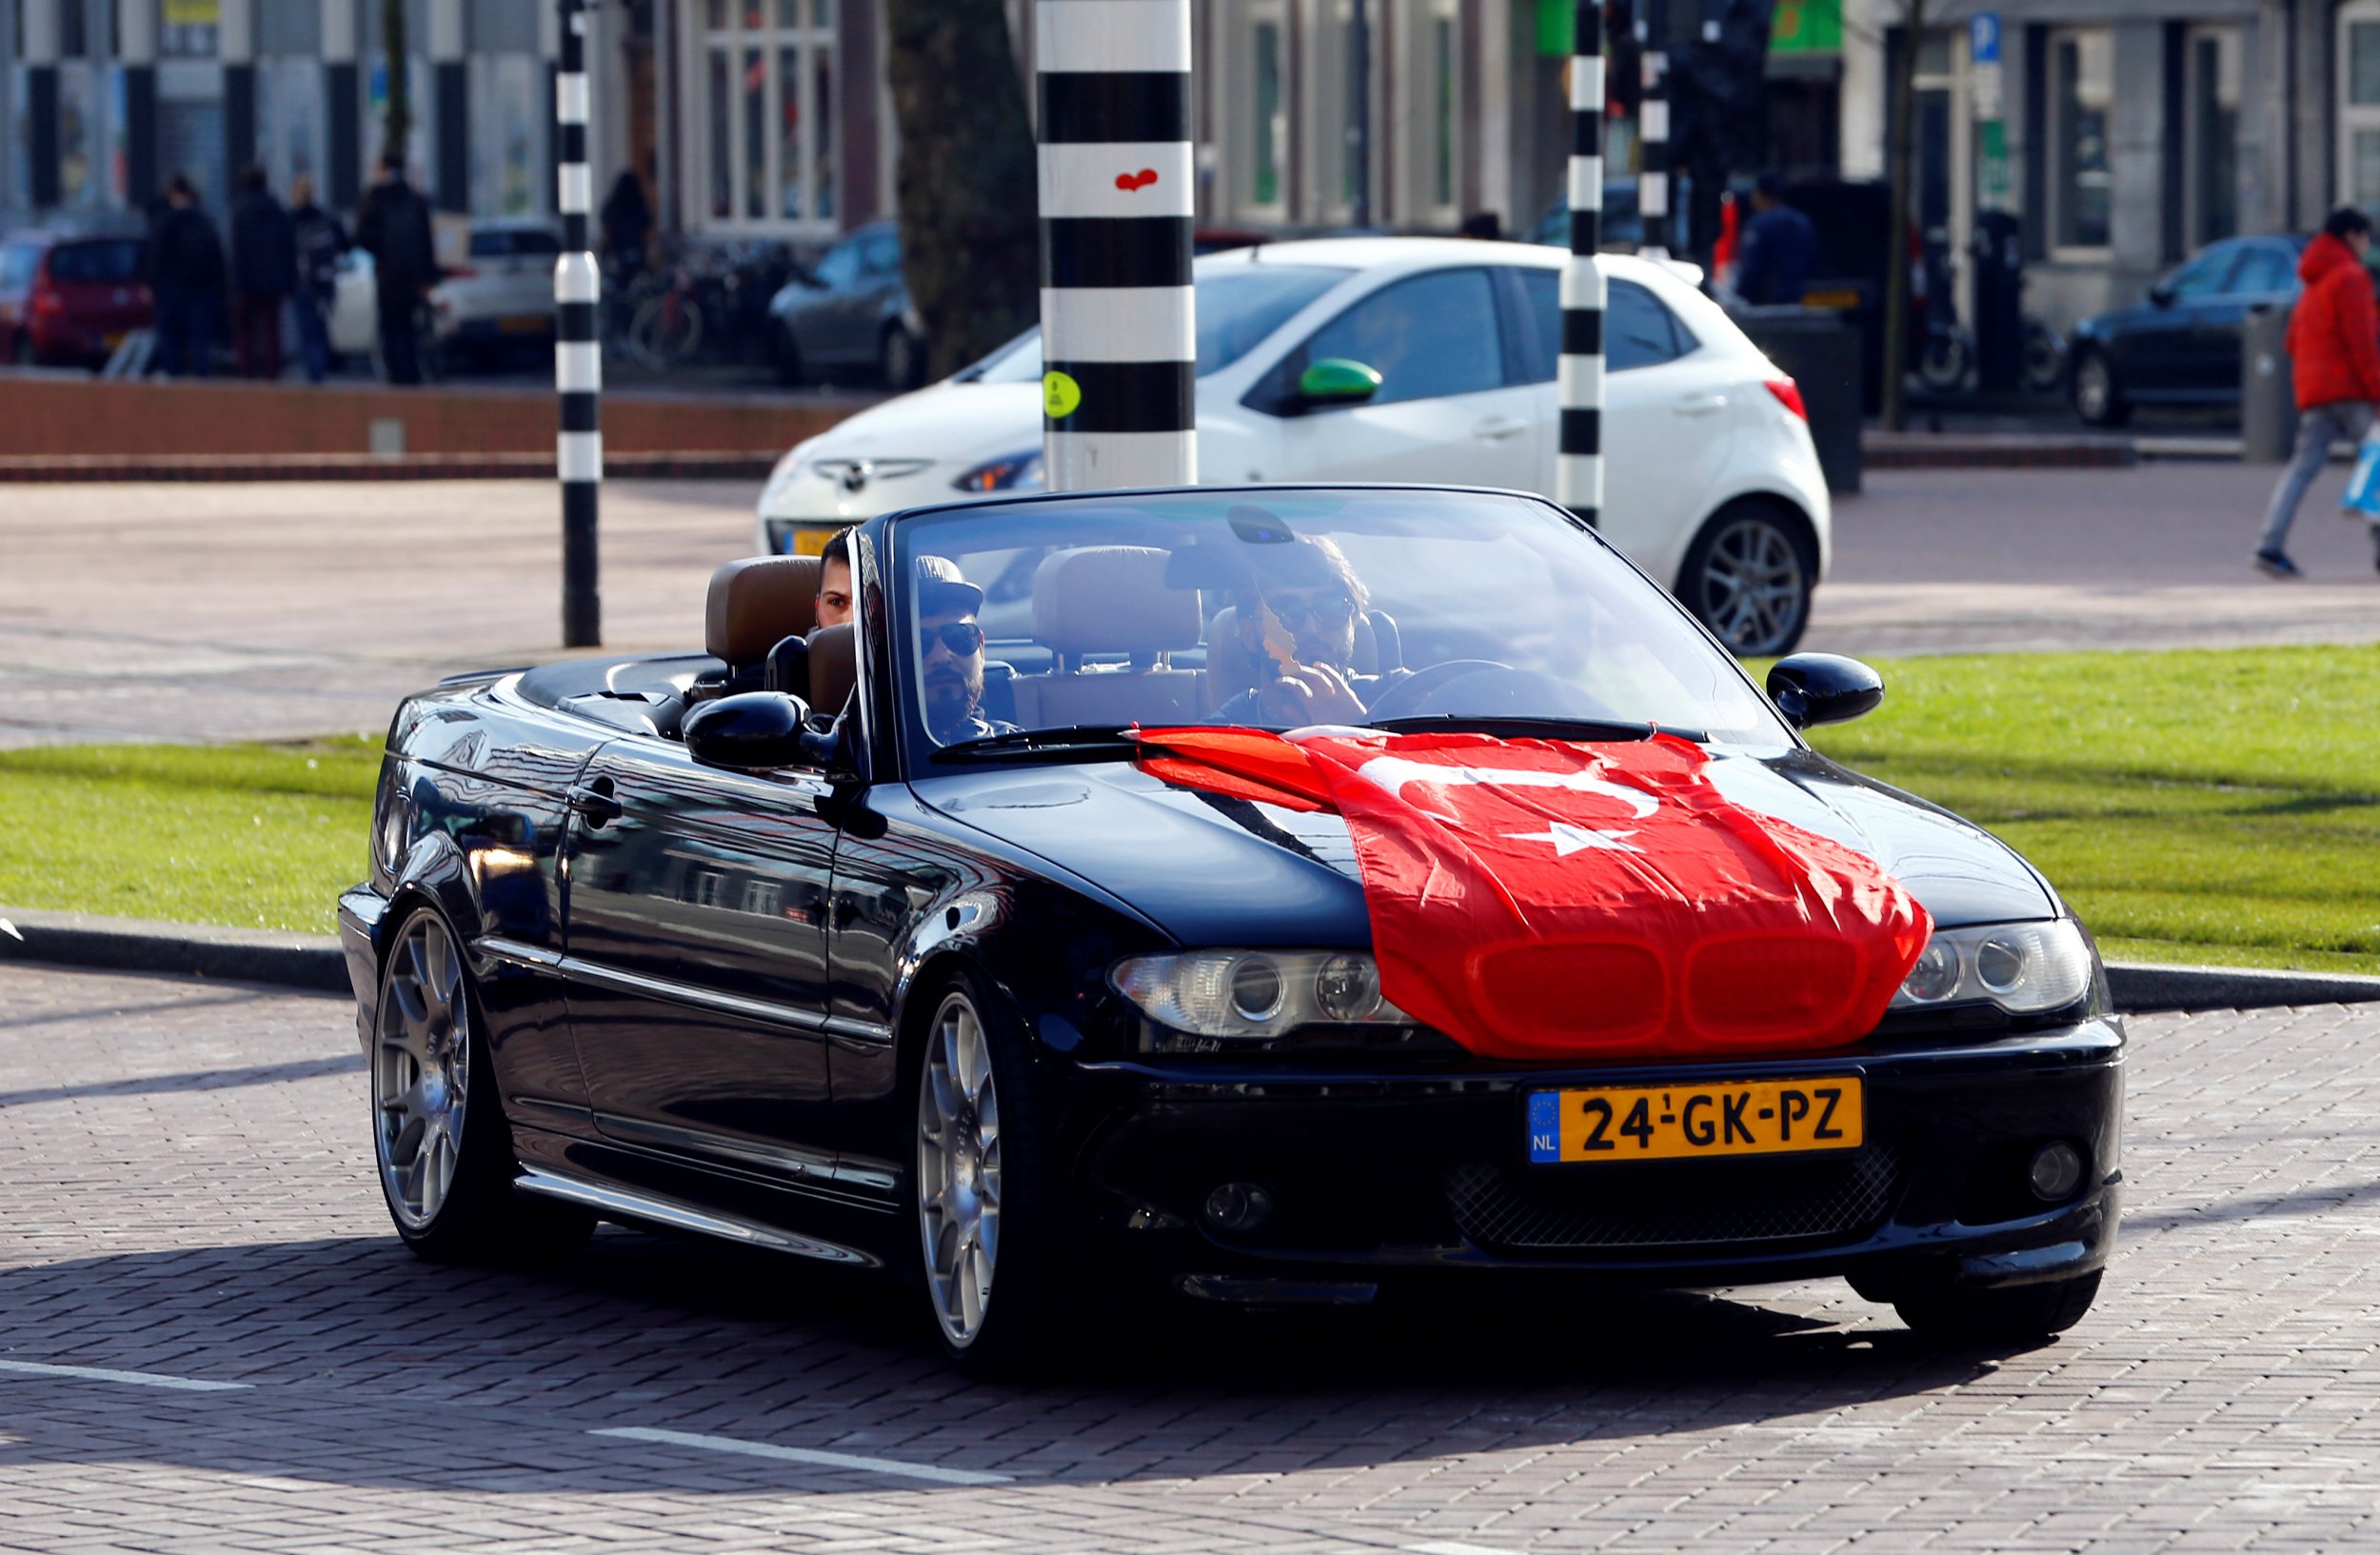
69	300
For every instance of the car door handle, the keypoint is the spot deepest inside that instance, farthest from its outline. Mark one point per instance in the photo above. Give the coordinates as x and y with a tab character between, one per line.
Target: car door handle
1701	405
593	803
1499	429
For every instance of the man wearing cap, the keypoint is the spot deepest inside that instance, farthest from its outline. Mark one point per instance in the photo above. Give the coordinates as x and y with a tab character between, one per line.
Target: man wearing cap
950	654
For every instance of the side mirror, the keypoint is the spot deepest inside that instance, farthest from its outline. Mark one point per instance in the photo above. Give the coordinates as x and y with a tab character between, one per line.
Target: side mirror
1813	688
751	730
1335	380
787	669
2161	295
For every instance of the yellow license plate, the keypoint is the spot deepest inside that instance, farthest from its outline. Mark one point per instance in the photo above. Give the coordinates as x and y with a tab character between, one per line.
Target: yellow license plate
813	542
1847	301
1661	1123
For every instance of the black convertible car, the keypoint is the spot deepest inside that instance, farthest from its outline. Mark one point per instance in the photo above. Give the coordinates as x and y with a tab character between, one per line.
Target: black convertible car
883	943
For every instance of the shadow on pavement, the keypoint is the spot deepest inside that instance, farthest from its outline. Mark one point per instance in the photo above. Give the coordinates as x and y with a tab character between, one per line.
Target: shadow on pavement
344	1341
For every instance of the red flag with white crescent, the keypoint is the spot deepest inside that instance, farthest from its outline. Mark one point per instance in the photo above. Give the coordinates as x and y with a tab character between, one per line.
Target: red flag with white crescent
1543	899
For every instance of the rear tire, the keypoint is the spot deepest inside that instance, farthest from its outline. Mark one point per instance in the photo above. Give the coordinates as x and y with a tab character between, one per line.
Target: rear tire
2098	398
1991	1317
439	1135
1749	576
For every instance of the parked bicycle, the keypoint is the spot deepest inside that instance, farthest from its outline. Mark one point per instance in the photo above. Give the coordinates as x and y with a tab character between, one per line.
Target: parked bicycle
712	305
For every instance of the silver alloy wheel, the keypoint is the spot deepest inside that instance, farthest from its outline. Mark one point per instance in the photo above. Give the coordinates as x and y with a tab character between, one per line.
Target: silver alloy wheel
420	1071
1752	585
2095	389
959	1167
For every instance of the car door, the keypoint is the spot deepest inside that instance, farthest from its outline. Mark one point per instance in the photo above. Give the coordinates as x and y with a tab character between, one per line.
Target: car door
1667	407
2163	351
822	324
2266	275
1452	409
697	926
529	278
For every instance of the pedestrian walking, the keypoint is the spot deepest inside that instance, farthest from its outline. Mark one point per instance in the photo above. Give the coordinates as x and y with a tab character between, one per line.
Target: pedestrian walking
2334	354
1778	247
393	227
321	241
263	273
627	226
185	271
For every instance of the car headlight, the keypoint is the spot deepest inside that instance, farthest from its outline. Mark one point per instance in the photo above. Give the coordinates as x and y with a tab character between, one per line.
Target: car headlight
2024	969
1257	996
1016	472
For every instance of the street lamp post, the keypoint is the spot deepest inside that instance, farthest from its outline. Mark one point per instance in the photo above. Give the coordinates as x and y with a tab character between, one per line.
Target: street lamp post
1578	471
578	357
1118	186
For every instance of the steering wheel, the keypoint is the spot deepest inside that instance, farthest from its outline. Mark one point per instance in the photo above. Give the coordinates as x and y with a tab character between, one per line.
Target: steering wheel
1490	691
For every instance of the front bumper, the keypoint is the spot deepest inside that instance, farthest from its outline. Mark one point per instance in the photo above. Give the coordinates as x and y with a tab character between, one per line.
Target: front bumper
1380	1172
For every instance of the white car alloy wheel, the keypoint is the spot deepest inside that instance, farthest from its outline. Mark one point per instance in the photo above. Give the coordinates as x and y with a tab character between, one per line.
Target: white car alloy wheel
420	1071
1752	585
2094	389
958	1180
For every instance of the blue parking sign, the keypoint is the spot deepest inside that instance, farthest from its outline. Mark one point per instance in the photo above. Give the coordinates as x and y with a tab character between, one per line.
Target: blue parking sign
1983	37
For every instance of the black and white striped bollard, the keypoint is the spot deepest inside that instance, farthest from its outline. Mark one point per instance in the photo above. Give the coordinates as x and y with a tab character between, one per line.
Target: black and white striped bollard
577	354
1119	341
1652	179
1579	469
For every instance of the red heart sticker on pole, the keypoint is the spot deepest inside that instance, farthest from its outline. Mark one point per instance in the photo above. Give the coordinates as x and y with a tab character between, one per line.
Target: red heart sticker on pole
1132	183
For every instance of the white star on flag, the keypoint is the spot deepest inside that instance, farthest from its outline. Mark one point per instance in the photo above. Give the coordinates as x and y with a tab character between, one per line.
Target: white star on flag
1568	839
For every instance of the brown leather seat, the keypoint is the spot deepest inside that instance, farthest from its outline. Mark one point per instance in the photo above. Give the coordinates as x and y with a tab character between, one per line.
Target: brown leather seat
754	605
1104	601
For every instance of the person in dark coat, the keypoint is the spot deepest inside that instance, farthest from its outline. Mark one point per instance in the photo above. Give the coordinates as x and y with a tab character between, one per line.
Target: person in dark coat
264	272
184	262
628	225
393	227
321	241
1778	247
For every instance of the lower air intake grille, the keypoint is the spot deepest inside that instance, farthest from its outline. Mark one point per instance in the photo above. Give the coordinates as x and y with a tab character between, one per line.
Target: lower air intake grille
1751	1199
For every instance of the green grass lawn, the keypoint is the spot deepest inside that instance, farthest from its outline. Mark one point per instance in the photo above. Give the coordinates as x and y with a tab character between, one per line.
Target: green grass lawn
2217	806
2199	806
258	836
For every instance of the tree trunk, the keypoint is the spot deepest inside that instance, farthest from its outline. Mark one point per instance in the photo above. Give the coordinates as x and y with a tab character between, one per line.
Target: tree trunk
397	127
1903	153
970	230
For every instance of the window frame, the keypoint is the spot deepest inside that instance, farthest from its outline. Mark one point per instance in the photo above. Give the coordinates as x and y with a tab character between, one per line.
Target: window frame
2055	196
2197	140
2353	118
1241	105
772	39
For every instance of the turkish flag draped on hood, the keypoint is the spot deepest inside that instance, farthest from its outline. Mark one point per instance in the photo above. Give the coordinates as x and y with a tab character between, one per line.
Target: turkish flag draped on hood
1541	899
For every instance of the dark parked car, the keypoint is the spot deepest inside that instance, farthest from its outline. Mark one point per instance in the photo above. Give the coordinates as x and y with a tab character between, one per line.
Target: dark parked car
2180	346
1623	223
850	313
69	300
892	947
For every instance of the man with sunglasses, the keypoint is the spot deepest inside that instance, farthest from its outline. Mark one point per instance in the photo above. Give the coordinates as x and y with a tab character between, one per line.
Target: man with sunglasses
1300	618
950	654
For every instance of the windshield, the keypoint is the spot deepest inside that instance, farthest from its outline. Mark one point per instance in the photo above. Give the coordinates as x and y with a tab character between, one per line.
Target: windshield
1285	609
1237	309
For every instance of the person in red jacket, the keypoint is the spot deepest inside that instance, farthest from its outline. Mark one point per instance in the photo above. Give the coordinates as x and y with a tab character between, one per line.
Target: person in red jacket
2334	346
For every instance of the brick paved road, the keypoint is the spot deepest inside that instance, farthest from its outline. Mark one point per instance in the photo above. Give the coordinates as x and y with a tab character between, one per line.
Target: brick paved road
185	1193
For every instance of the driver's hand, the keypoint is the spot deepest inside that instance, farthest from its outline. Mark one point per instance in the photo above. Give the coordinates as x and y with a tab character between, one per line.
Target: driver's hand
1310	694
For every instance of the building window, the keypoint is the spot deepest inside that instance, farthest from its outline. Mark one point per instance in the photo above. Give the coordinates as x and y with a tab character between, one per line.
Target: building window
763	75
2211	149
509	156
1422	120
2082	88
1264	110
2359	106
187	29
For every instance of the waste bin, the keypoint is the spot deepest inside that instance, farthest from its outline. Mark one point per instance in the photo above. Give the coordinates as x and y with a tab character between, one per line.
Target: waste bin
2268	400
1999	255
1820	350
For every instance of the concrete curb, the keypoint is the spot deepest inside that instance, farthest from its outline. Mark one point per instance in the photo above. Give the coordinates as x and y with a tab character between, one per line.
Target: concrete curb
314	961
134	944
2141	986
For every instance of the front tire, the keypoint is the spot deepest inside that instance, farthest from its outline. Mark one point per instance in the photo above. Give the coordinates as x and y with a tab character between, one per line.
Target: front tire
2098	398
439	1135
986	1196
1749	576
1996	1317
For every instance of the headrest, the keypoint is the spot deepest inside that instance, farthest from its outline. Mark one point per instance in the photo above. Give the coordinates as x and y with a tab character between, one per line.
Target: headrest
834	667
1112	599
757	603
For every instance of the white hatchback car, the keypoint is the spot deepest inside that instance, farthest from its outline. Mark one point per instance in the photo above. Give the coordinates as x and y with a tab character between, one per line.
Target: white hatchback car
1712	484
502	295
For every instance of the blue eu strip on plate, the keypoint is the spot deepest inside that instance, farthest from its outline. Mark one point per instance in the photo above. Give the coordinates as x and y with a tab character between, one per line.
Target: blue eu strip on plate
1545	1128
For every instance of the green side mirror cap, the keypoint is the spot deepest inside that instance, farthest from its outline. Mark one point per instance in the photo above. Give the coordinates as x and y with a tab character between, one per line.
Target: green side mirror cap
1335	380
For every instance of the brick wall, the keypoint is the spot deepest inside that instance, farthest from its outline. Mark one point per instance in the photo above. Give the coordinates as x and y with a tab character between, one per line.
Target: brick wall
47	414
